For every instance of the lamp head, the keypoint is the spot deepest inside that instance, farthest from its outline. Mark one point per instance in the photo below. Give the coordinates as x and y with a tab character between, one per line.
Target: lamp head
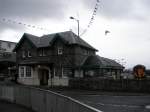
71	17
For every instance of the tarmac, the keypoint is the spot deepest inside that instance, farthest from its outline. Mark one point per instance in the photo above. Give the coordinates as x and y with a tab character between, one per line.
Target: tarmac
6	106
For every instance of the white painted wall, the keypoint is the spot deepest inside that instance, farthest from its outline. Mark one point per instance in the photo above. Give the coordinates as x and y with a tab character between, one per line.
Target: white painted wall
33	80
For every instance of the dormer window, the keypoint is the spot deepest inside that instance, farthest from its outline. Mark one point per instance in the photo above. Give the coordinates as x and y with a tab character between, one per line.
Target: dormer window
60	51
29	54
23	54
42	52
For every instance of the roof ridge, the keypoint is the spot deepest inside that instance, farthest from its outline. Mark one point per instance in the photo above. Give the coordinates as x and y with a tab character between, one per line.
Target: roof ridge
30	34
56	33
69	36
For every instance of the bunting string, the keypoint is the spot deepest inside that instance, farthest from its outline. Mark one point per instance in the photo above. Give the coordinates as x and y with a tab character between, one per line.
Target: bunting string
92	17
24	24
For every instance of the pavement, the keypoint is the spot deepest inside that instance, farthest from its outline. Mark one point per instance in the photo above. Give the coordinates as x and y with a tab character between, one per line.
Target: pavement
10	107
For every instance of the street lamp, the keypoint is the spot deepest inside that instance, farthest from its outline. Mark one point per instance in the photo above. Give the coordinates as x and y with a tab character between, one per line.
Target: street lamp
77	22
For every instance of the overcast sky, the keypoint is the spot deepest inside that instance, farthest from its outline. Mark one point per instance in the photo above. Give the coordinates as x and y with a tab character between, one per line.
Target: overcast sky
127	20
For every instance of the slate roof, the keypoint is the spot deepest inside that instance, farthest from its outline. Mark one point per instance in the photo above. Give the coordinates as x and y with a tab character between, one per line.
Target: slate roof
96	61
68	36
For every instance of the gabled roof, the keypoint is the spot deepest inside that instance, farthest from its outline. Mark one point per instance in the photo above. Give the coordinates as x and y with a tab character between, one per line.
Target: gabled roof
32	39
96	61
69	37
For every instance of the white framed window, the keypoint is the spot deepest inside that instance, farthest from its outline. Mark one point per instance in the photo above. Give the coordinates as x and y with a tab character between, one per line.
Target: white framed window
28	71
60	51
66	71
29	54
25	72
64	75
22	73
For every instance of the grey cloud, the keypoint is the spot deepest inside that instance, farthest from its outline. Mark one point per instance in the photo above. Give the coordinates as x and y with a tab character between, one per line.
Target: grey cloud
35	9
145	3
116	8
120	9
6	26
30	11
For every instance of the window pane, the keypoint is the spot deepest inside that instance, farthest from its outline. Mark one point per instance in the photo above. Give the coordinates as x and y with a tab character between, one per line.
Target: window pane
67	71
44	52
28	71
40	52
22	71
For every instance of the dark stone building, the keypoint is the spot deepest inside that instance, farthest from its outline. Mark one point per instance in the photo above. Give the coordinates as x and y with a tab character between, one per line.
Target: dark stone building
7	58
53	59
96	66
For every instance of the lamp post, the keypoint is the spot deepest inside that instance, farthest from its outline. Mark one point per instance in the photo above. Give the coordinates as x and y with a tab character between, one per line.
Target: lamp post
78	37
77	22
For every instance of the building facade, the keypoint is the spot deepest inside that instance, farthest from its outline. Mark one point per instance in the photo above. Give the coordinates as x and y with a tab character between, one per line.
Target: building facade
51	59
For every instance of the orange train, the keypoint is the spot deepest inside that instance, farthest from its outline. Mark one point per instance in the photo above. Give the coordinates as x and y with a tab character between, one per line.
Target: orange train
139	71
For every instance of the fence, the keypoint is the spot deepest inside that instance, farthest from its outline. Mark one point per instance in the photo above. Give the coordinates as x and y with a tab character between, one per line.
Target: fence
131	85
42	100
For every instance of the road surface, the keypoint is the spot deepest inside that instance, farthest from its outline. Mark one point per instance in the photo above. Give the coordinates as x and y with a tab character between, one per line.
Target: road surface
112	101
109	103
